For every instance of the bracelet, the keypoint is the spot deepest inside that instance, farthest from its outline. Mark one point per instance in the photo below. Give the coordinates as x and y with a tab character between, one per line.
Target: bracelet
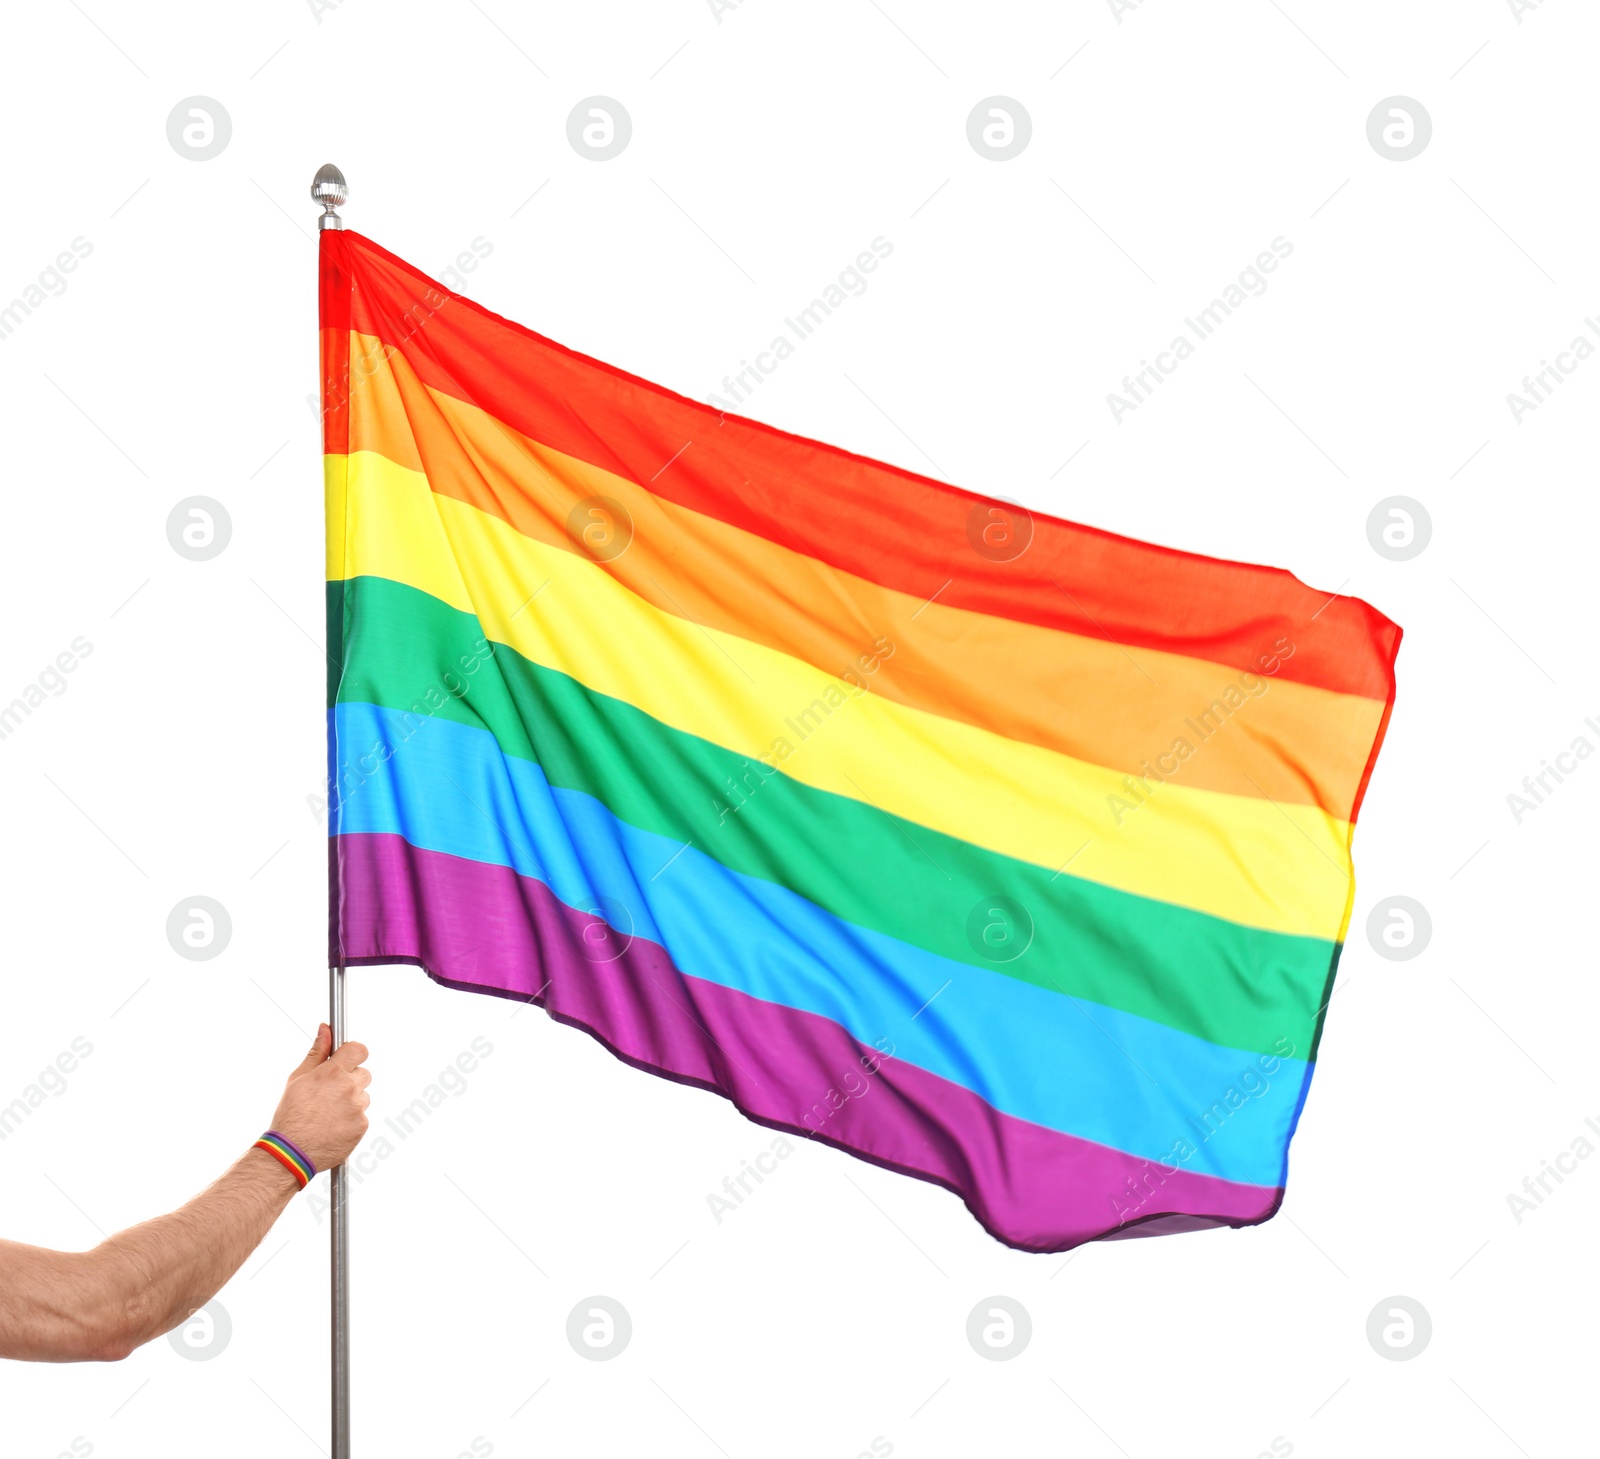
289	1155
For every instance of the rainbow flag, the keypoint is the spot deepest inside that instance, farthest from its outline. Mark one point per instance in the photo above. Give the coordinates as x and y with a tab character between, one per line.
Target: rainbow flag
994	849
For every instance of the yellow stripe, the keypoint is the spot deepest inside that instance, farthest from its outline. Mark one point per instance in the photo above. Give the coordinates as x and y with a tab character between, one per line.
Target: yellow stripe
1281	867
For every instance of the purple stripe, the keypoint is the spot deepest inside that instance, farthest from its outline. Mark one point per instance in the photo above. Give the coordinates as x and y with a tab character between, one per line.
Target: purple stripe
483	927
292	1149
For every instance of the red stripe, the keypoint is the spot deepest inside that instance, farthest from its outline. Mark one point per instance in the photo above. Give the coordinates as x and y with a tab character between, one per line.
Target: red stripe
882	523
334	285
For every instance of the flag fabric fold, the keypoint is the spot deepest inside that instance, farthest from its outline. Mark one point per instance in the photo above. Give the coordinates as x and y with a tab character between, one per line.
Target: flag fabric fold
990	848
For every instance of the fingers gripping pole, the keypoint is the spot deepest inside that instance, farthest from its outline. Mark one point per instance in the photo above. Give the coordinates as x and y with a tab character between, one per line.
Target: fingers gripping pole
341	1256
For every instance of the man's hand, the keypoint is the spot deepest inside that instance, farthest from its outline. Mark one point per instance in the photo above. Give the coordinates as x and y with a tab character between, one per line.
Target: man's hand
323	1109
67	1306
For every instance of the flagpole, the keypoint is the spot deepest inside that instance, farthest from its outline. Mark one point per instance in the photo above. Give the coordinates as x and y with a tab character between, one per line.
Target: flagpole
341	1256
329	189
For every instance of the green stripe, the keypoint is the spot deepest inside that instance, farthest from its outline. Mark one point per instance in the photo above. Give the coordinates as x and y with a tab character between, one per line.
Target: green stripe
1229	984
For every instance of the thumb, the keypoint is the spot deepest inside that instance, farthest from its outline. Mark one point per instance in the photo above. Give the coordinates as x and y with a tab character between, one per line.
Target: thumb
320	1050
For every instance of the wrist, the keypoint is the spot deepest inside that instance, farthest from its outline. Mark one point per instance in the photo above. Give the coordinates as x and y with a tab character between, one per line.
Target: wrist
266	1173
288	1156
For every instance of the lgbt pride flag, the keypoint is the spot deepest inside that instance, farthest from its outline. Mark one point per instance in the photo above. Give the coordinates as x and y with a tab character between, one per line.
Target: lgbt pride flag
993	849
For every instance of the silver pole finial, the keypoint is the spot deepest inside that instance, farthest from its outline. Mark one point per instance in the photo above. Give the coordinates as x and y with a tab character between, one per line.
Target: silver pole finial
330	189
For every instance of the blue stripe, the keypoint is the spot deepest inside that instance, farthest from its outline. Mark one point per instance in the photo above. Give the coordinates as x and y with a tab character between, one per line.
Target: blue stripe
1082	1068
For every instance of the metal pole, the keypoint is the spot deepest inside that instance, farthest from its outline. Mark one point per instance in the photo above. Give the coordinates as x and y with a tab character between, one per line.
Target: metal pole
341	1256
329	189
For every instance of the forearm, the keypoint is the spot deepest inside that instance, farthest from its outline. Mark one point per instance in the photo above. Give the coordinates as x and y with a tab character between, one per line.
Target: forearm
139	1283
167	1267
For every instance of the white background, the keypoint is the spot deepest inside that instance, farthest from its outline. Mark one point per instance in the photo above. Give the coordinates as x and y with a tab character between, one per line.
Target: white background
1169	147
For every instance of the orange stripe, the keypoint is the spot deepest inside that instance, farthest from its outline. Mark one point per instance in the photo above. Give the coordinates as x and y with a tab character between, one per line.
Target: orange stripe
284	1161
1139	711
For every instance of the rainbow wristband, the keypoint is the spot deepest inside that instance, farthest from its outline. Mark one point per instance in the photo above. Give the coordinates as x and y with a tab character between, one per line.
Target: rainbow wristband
289	1155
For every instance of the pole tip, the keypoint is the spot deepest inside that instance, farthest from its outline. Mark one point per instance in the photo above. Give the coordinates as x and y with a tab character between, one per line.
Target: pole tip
330	189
